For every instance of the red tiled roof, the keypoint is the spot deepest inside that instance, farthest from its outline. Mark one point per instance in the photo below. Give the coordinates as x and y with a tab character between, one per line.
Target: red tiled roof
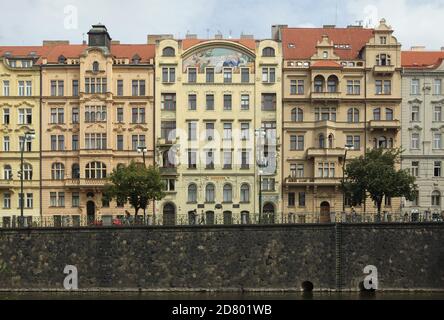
23	51
249	43
326	64
306	39
422	59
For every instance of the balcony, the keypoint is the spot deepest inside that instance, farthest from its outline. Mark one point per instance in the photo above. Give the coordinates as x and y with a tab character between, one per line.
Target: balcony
325	152
6	184
85	183
322	182
168	171
383	70
326	96
384	125
162	142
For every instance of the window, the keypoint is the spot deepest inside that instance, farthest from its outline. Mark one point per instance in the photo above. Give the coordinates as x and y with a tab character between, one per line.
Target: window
355	141
268	184
332	84
302	199
28	91
95	141
353	87
268	75
75	142
192	193
75	88
6	201
7	172
57	199
57	115
415	141
245	75
169	185
245	131
210	193
25	116
353	115
297	143
209	102
95	66
192	102
437	114
383	60
53	199
95	85
75	199
291	199
138	141
209	131
209	159
268	52
192	159
6	144
21	88
75	171
325	54
168	101
168	130
228	102
437	87
245	193
120	88
325	114
377	114
26	146
168	75
268	101
57	88
319	84
326	170
436	198
383	40
210	75
414	87
389	114
228	193
95	170
6	88
138	88
437	169
245	159
437	141
387	87
192	131
61	200
297	87
58	171
245	102
297	115
95	114
29	201
192	75
120	115
6	116
57	143
321	144
387	201
415	168
228	75
415	113
75	115
138	115
120	143
168	52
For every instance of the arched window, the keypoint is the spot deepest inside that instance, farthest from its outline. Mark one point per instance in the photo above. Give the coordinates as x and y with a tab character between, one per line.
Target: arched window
96	66
62	59
245	193
388	114
377	114
436	198
268	52
58	171
27	171
353	115
95	170
192	193
136	59
321	141
297	115
333	84
210	196
330	141
7	172
319	84
75	171
168	52
228	193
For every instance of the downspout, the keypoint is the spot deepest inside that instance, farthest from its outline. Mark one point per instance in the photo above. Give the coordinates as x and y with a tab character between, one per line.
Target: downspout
365	126
40	142
154	132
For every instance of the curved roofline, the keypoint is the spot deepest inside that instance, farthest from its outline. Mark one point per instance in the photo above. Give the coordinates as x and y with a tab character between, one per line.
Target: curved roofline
223	43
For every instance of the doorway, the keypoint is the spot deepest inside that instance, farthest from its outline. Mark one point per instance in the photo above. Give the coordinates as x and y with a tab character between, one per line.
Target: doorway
325	212
91	212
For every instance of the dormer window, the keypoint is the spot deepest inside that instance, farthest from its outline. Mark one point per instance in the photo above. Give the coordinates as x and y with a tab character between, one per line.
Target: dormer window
383	40
383	59
62	60
136	59
325	54
169	52
96	66
268	52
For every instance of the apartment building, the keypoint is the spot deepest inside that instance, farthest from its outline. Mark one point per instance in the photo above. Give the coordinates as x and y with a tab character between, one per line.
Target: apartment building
218	124
423	128
341	95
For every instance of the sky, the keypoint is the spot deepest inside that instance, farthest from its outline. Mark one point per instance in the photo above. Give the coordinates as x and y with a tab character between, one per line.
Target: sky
28	22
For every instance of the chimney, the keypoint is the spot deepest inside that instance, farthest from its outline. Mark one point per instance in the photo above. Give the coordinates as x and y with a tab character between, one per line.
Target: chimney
115	42
247	36
442	48
219	35
191	36
276	31
152	38
417	48
329	26
49	43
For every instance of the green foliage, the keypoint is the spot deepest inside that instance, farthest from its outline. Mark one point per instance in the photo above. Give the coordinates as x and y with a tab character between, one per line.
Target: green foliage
135	184
375	175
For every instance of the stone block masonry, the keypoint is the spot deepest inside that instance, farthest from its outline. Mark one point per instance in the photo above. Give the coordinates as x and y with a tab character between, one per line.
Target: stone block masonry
221	258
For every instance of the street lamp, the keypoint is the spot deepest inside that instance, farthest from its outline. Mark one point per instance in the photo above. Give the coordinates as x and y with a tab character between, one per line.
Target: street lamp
143	150
29	135
347	148
261	163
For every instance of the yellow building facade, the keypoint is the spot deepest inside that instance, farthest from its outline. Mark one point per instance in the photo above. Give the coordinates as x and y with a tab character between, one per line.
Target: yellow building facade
341	96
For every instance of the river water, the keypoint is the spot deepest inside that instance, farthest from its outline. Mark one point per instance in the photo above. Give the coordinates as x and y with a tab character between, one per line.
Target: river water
224	296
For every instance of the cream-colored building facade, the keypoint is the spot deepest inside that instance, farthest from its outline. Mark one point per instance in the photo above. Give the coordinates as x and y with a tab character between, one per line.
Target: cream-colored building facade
20	113
212	97
97	109
341	88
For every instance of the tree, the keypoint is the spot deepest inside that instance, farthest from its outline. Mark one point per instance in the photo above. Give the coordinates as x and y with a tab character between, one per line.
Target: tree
135	184
375	175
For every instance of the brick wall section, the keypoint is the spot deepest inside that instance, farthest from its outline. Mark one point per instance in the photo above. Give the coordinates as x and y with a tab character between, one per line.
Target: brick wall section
223	258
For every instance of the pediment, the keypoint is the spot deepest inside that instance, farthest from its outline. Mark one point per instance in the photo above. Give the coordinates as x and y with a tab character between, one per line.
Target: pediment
415	128
56	128
441	101
99	126
23	128
415	101
24	103
5	129
138	127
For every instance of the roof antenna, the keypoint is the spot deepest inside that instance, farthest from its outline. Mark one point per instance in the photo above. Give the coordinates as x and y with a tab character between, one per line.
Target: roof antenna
84	40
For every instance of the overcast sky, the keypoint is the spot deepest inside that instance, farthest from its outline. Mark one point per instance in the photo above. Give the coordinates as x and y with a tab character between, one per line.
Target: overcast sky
28	22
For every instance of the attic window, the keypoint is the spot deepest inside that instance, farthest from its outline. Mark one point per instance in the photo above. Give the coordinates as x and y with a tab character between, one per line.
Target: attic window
96	66
169	52
136	59
342	46
62	60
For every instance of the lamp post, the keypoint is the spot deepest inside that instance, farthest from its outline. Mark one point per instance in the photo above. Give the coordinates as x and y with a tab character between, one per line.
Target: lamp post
143	150
261	163
347	148
29	135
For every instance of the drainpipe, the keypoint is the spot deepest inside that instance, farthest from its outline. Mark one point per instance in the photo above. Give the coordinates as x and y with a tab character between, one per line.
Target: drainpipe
40	142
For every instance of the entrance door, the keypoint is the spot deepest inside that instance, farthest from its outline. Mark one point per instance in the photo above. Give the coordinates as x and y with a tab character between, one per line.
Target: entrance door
325	212
91	212
268	214
169	215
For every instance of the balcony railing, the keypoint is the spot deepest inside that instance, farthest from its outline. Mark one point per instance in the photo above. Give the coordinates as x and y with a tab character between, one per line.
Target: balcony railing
168	171
326	95
381	70
76	183
325	152
384	125
295	181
